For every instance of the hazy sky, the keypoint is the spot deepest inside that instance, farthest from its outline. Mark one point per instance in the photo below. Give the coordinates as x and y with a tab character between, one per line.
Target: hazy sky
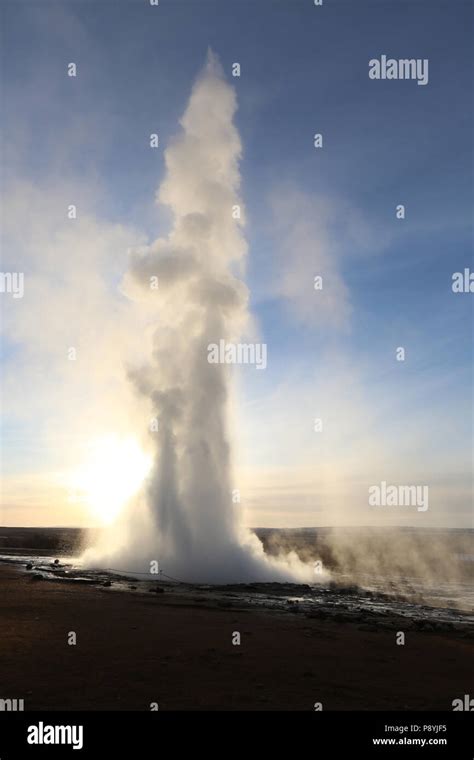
327	211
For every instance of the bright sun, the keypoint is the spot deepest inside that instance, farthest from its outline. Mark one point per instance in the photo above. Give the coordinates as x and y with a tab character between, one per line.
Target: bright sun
113	471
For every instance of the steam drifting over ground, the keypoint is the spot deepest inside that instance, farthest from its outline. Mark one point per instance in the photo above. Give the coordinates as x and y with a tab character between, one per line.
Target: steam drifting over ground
184	517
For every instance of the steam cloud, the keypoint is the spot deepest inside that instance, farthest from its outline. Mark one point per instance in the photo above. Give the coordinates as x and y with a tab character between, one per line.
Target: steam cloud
185	518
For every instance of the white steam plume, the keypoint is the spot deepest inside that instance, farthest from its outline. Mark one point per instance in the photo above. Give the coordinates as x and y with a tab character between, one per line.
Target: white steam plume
185	518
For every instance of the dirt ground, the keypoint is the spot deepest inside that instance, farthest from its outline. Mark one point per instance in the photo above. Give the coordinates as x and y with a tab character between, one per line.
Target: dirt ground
135	649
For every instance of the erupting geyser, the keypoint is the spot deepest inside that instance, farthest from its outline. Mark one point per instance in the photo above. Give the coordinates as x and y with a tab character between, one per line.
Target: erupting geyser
184	517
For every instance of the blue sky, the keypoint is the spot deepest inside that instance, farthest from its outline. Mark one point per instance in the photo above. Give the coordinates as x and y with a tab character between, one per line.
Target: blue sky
303	70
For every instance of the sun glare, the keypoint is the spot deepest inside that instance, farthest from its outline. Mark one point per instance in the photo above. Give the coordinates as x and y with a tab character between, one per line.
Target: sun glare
112	473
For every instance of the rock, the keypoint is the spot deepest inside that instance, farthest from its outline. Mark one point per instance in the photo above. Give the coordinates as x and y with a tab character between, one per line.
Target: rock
317	614
29	566
339	617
